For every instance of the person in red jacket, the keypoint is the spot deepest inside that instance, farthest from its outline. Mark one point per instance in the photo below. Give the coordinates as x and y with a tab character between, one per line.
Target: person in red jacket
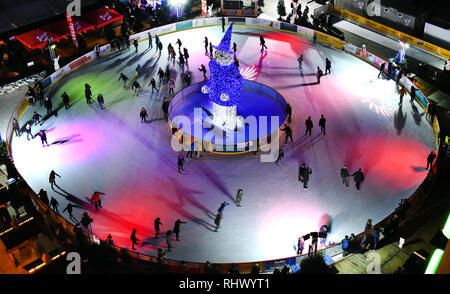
95	199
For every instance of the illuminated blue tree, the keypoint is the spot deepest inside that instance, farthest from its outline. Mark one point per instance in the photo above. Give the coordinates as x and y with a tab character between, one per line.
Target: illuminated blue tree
225	83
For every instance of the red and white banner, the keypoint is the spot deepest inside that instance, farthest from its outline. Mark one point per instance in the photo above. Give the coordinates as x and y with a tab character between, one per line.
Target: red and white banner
204	8
72	29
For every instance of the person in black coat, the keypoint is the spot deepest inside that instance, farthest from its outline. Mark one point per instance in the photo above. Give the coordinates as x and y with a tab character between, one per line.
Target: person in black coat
88	93
322	122
180	162
186	55
65	99
156	224
165	108
287	129
358	176
176	228
43	196
203	70
135	43
309	125
43	136
327	66
100	100
48	105
36	117
206	42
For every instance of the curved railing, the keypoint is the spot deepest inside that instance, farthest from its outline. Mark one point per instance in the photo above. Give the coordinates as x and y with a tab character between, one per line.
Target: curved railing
194	267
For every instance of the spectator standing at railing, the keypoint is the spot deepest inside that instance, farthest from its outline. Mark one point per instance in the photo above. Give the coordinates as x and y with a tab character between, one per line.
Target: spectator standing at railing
109	241
54	204
65	99
157	223
351	242
43	196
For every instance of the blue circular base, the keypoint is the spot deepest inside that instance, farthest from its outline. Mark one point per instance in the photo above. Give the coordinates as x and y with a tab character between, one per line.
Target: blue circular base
262	108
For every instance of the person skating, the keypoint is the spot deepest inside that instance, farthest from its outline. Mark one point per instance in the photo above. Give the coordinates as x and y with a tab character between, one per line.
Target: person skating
288	131
203	70
345	175
300	245
156	224
157	41
48	105
28	129
54	204
236	62
217	221
169	234
211	50
179	44
16	127
223	24
150	41
358	176
138	70
65	99
169	51
124	78
153	84
135	43
381	73
327	66
186	55
96	200
136	87
280	155
171	86
306	172
36	117
43	137
319	74
100	100
160	75
52	178
172	55
165	108
88	93
222	206
159	45
300	61
176	228
143	115
262	42
167	73
289	112
322	122
206	42
180	162
239	195
412	93
181	60
430	159
133	239
309	125
69	209
301	168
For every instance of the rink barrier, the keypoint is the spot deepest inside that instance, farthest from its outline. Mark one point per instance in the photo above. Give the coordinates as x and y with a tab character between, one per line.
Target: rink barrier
171	28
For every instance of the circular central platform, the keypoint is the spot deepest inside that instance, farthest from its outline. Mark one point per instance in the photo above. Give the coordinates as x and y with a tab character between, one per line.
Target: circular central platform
263	111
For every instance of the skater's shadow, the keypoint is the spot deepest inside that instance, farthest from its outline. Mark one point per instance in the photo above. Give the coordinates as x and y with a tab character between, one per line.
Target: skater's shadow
313	141
154	242
416	115
71	198
399	120
153	120
418	168
298	85
68	140
214	178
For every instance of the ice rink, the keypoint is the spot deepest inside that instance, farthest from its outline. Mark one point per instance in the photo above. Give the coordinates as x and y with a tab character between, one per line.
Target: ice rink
111	151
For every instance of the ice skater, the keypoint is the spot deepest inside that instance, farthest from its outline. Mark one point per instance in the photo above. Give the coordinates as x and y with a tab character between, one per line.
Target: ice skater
69	209
236	61
280	155
88	93
179	44
169	234
358	176
136	87
44	197
156	224
322	122
65	99
217	221
430	159
180	163
288	131
169	51
203	70
133	239
138	70
165	108
223	24
150	41
401	93
135	43
306	172
300	172
171	86
167	73
43	136
300	61
327	66
324	230
345	175
186	55
36	117
96	200
181	60
289	112
143	115
381	73
16	127
262	42
206	42
300	245
176	228
211	50
124	78
309	125
239	195
153	84
222	207
52	178
160	75
54	204
319	74
48	105
234	48
28	129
